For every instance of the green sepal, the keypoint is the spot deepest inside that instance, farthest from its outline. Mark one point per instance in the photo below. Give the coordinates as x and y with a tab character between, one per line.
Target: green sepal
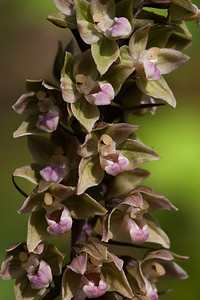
138	41
62	20
124	8
29	172
90	173
86	113
159	36
124	182
37	229
116	280
156	234
180	9
68	87
137	153
84	206
85	22
70	284
105	52
27	127
23	290
158	89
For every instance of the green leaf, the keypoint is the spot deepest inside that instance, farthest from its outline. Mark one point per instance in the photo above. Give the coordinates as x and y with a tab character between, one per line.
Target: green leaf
137	153
156	234
157	89
37	229
70	284
105	52
90	173
62	20
138	41
84	206
86	113
116	280
29	172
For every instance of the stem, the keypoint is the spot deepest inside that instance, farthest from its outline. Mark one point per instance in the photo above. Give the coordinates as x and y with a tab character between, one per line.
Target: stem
18	188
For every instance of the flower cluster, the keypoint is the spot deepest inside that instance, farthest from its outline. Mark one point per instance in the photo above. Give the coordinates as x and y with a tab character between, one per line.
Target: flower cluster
86	155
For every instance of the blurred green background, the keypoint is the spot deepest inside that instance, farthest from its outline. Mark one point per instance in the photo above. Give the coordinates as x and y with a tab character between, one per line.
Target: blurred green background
28	47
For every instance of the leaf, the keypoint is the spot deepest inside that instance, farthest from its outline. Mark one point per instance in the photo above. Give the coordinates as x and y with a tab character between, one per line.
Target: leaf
86	113
84	206
158	89
116	280
169	60
137	153
63	21
156	234
37	229
124	182
105	52
138	41
29	172
90	173
70	284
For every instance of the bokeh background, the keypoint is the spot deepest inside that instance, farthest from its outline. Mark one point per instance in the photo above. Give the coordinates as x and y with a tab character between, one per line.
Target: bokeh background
28	46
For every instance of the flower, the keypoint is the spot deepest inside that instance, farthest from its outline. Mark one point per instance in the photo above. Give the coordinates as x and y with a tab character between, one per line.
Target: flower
34	270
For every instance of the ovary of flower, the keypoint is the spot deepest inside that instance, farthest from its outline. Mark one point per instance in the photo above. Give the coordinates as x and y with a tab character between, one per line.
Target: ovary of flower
114	163
103	97
121	28
59	219
137	234
42	277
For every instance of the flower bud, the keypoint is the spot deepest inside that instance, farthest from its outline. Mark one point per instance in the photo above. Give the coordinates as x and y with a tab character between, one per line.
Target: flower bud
42	276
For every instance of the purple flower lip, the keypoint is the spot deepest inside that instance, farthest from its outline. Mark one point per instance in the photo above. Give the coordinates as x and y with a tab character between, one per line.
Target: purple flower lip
53	174
114	163
93	285
49	121
138	233
42	277
59	221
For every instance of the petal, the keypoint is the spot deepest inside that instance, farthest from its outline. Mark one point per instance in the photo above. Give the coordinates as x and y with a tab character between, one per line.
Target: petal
151	72
59	221
49	121
42	278
103	97
121	28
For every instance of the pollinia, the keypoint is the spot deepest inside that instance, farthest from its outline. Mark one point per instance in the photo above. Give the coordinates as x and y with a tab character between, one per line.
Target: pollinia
86	154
